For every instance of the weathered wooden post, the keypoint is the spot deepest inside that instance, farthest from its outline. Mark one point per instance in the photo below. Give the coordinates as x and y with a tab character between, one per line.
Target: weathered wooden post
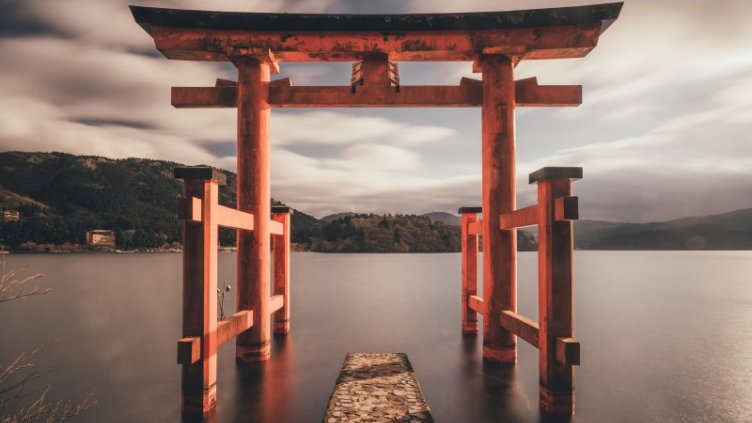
281	283
498	193
254	196
558	350
200	242
469	241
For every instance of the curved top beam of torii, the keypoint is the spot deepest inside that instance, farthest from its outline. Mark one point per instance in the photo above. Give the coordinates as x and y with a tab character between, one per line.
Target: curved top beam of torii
525	34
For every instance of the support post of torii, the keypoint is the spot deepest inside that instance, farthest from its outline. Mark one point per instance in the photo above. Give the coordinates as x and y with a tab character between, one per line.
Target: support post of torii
281	280
498	196
254	196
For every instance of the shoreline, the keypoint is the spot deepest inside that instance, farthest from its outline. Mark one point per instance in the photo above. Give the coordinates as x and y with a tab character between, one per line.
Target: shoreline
233	249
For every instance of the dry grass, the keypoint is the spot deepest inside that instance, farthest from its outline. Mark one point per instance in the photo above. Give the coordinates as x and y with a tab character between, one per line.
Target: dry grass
15	406
14	284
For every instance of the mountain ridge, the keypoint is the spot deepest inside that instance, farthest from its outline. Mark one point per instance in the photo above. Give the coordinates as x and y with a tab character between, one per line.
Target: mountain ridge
60	196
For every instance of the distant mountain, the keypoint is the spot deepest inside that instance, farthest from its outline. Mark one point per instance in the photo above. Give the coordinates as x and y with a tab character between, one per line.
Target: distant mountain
386	234
443	217
726	231
436	217
399	233
61	196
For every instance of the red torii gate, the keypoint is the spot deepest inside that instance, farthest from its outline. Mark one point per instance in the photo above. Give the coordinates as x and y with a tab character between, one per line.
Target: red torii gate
495	42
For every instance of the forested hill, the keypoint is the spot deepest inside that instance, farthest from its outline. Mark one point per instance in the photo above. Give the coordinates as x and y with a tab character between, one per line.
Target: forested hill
725	231
394	233
61	196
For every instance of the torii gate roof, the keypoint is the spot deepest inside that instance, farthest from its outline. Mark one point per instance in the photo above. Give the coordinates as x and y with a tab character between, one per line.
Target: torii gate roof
525	34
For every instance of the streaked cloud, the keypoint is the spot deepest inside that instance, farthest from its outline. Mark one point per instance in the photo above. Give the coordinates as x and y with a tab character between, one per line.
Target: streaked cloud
663	132
325	127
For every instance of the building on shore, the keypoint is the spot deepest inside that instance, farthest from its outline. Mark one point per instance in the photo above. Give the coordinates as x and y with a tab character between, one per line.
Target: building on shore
100	238
11	216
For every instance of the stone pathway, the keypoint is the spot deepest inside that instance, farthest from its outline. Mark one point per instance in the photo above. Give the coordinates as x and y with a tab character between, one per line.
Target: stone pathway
377	387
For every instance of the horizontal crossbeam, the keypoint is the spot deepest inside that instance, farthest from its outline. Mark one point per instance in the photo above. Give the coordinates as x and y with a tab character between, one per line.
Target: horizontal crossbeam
566	208
519	218
317	46
276	302
529	94
568	351
233	326
231	218
220	96
189	348
284	96
468	94
189	208
276	228
520	326
475	303
474	228
375	95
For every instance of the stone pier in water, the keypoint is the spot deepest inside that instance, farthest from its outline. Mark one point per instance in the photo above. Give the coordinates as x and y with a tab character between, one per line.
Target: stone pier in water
377	387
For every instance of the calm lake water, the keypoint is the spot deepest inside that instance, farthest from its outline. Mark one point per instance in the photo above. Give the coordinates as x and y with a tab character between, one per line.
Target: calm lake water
666	337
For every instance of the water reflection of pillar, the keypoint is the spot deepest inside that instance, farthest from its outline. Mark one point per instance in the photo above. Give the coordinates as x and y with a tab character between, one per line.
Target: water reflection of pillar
503	390
266	392
209	417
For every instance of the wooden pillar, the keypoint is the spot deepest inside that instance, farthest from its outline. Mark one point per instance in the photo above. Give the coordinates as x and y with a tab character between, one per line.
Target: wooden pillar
498	193
281	283
200	242
469	269
555	293
253	191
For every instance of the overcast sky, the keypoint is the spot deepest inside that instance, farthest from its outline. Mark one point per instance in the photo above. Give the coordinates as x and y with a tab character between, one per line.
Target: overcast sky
663	132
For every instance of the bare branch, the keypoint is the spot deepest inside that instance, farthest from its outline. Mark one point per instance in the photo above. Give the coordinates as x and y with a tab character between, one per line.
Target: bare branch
12	283
48	412
23	361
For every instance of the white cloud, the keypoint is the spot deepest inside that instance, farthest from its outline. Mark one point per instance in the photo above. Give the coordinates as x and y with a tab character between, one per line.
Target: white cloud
667	92
692	165
109	23
381	157
324	127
